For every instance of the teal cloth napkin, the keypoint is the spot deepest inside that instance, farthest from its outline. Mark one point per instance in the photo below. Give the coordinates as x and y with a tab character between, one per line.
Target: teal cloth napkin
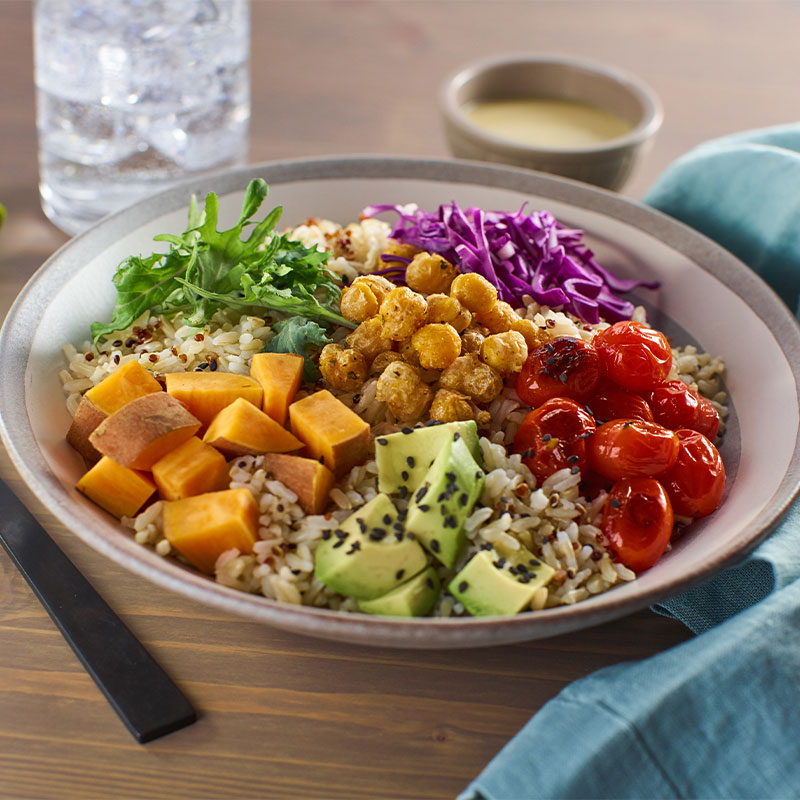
719	715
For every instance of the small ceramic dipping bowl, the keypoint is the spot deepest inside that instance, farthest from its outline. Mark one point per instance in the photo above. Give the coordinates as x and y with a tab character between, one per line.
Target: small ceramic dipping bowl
606	163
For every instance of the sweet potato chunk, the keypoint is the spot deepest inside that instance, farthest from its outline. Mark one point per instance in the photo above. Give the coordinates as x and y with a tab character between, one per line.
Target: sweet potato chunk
87	417
243	429
333	434
205	394
191	468
201	528
117	489
127	383
308	479
279	375
144	430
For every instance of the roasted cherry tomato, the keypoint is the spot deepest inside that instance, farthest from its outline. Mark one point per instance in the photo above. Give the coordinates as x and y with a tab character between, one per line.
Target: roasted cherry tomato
634	356
707	421
563	367
554	436
697	480
637	522
632	448
612	402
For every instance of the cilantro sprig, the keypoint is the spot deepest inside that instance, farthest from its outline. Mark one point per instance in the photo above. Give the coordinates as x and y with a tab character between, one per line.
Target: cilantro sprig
207	270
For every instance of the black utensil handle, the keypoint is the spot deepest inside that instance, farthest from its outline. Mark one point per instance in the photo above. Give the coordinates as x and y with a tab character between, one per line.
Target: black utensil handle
143	695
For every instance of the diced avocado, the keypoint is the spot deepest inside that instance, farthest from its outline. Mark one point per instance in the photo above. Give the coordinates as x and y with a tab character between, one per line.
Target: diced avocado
441	505
403	458
368	555
414	598
487	585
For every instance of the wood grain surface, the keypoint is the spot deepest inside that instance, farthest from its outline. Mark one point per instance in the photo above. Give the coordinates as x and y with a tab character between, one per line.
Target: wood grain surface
287	716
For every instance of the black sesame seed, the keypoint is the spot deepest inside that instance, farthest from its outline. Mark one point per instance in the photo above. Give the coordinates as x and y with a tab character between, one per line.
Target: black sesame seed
356	399
377	534
463	586
411	536
478	475
399	536
410	461
451	476
280	508
404	475
524	578
383	441
486	546
355	547
500	563
401	515
403	490
463	499
615	503
547	437
596	555
242	464
435	545
321	460
340	534
406	430
456	436
213	366
326	534
424	508
398	526
339	543
429	583
387	519
575	470
295	572
399	574
380	531
533	562
421	493
572	459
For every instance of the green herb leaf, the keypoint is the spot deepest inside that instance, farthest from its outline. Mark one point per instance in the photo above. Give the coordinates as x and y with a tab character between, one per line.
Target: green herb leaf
298	335
206	270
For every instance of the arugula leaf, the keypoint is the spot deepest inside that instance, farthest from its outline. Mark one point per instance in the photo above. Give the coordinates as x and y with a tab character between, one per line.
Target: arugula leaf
297	335
206	270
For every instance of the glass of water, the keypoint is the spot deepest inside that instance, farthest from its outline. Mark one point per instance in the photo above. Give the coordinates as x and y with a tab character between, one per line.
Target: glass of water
133	95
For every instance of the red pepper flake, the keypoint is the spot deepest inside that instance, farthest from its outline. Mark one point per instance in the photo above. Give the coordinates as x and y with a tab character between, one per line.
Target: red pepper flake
153	357
116	358
174	350
522	489
89	356
198	337
183	358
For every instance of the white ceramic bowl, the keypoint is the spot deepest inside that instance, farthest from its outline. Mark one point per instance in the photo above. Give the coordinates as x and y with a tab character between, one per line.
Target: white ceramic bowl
707	296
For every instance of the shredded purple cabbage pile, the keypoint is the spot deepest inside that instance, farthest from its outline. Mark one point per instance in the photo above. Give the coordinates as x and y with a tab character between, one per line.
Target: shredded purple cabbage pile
520	253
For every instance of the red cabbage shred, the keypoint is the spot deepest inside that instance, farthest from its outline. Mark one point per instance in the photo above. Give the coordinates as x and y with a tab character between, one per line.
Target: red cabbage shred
521	254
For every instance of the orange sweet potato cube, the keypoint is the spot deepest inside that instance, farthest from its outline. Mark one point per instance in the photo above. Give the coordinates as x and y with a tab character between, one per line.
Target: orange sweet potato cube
205	394
127	383
307	478
203	527
191	468
144	430
243	429
332	433
279	375
117	489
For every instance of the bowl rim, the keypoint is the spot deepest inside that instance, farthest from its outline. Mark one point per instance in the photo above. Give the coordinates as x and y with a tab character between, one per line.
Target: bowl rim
648	125
27	457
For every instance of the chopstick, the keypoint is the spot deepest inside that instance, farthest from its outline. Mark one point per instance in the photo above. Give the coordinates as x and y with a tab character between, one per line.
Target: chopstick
138	689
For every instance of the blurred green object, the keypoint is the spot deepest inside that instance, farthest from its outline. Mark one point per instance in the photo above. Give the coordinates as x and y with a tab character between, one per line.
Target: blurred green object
2	214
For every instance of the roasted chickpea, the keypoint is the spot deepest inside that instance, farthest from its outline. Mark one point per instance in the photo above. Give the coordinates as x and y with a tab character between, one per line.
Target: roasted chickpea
474	292
428	273
534	335
358	302
443	308
345	370
402	312
406	395
469	375
471	340
380	286
499	318
437	344
449	406
382	360
367	339
408	352
395	248
505	352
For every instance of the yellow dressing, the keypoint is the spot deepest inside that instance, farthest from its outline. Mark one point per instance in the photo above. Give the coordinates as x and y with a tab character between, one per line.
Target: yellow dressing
546	122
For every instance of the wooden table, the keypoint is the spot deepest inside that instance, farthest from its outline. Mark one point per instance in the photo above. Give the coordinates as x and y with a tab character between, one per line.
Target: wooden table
283	715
